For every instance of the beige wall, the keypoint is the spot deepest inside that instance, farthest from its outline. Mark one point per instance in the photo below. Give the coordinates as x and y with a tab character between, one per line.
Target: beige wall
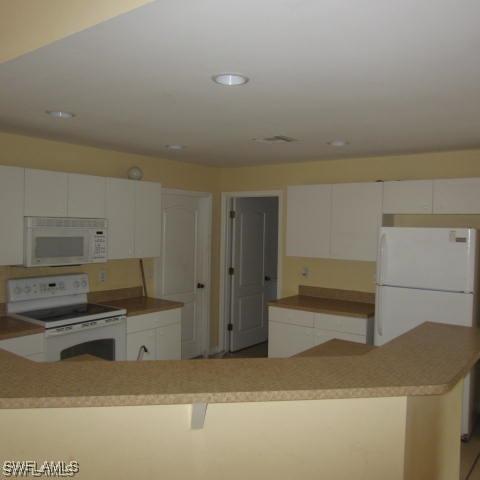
26	25
395	438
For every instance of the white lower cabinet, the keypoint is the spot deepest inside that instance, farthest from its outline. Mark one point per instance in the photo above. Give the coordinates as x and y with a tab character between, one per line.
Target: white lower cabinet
28	346
155	336
294	331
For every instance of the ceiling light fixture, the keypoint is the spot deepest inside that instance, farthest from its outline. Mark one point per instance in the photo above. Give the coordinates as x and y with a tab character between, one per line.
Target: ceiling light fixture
338	143
175	147
59	114
230	79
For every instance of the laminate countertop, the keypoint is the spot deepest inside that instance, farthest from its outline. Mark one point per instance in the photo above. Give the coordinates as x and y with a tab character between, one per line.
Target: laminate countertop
11	327
142	305
326	305
427	360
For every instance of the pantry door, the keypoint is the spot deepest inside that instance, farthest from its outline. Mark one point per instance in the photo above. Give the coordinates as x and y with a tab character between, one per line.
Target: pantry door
184	265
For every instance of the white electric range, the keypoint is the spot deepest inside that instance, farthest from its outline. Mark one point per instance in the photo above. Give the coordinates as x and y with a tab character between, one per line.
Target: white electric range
72	325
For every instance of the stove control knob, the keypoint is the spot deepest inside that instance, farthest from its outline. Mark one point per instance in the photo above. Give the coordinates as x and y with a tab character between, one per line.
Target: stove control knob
18	290
76	284
27	289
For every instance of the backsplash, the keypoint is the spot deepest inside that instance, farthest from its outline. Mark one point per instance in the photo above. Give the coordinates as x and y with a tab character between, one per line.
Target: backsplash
119	274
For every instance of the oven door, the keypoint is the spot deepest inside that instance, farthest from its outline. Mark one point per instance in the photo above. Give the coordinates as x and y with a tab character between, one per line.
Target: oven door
56	246
103	340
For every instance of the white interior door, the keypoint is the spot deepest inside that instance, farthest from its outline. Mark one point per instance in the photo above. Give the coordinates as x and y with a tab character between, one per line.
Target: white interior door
182	265
254	259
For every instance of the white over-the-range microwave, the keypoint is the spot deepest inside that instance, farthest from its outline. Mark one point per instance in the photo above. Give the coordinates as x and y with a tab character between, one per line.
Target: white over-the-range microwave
51	241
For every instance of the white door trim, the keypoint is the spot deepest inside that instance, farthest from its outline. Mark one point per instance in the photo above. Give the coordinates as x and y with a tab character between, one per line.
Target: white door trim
223	311
206	203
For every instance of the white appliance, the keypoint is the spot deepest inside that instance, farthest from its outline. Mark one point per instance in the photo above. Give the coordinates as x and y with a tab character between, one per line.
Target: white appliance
64	241
427	274
72	325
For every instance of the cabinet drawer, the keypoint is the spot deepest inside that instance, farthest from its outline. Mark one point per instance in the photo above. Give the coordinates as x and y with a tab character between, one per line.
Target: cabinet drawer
286	340
24	346
339	323
139	341
291	316
149	321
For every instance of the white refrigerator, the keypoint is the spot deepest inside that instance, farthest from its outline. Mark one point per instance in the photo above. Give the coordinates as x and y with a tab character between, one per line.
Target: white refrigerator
427	274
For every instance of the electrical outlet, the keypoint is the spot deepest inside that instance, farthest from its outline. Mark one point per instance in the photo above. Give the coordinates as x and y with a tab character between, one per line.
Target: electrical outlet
305	272
102	276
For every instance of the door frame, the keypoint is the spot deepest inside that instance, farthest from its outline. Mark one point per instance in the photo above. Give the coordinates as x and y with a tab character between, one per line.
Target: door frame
205	230
225	250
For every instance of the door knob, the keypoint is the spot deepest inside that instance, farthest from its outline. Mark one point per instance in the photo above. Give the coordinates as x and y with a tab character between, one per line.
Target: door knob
267	278
200	285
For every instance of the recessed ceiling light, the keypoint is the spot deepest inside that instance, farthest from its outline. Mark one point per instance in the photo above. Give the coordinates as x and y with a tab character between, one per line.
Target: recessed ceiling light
338	143
58	114
175	147
230	79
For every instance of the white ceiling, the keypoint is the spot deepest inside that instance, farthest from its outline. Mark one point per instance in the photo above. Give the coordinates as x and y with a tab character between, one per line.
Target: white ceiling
389	76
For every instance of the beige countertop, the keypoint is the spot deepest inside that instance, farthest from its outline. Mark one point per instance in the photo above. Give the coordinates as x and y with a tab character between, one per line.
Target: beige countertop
142	305
11	327
428	360
350	303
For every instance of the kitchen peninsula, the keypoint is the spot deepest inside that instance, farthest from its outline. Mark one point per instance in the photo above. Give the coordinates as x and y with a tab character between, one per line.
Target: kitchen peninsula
390	412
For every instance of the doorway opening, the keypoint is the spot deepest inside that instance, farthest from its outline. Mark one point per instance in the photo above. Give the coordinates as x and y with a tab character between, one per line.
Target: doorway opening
250	267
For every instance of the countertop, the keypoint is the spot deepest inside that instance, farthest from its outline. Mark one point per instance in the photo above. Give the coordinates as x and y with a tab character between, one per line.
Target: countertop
350	303
11	327
427	360
142	305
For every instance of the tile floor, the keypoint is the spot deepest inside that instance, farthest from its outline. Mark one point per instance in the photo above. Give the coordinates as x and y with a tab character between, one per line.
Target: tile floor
469	450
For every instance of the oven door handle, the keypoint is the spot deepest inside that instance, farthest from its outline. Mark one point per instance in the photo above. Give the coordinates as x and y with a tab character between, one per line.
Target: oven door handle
141	352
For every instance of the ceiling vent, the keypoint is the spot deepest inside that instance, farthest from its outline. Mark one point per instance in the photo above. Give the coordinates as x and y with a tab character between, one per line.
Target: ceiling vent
276	139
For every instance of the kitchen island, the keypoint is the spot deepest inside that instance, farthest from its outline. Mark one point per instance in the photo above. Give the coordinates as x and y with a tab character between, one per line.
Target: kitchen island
391	412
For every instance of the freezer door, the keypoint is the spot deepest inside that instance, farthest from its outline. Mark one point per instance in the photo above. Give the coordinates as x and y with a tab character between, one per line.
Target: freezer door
398	310
429	258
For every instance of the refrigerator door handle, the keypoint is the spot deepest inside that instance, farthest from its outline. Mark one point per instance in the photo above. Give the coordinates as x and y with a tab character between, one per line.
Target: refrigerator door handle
378	313
381	253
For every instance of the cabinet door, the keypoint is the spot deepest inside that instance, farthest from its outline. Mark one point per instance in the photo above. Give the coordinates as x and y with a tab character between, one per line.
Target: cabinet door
143	344
356	218
285	340
169	342
86	196
148	217
45	193
458	195
12	184
120	204
308	220
415	196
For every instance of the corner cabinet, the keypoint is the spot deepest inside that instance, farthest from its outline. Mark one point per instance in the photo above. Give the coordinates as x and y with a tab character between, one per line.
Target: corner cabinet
155	336
456	195
356	218
12	188
294	331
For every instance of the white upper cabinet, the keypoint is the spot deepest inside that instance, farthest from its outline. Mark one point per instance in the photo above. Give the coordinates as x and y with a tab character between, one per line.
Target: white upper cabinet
356	217
11	215
86	196
308	220
45	193
148	219
120	206
410	196
458	195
